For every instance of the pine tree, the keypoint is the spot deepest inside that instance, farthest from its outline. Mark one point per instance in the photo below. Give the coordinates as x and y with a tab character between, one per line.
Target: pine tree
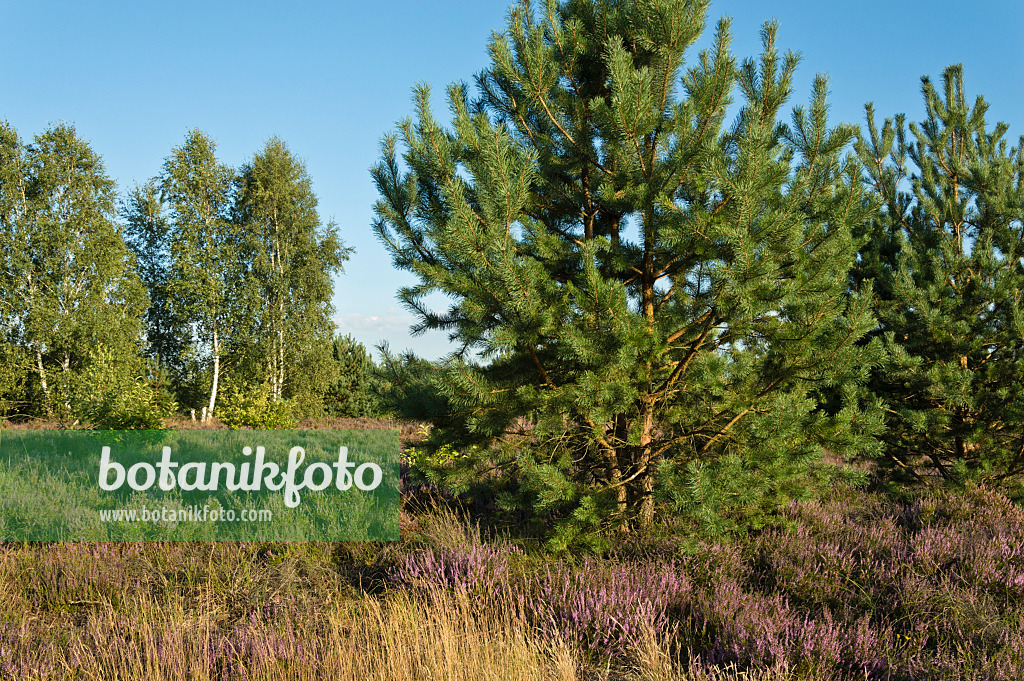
207	276
945	256
654	295
69	285
402	387
350	395
291	258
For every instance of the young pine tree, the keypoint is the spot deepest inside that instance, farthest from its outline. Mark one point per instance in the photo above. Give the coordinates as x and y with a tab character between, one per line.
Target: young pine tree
946	258
350	395
656	298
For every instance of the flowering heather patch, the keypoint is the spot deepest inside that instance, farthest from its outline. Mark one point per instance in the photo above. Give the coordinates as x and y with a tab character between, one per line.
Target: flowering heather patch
599	606
476	570
731	624
78	572
856	587
926	589
608	606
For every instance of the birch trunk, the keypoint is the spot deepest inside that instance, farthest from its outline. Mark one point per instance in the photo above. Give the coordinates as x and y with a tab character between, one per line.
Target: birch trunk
42	380
279	321
280	355
66	368
216	375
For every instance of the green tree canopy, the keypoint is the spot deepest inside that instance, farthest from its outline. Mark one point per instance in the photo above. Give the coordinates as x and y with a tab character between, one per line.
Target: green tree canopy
351	394
291	257
654	294
206	274
69	283
147	231
946	257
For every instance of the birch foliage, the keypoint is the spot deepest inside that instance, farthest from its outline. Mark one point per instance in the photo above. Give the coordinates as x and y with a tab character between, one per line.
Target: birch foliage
206	275
68	283
291	256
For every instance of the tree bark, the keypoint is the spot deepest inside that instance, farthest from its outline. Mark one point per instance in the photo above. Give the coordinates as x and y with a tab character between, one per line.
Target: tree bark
66	368
216	375
42	380
645	481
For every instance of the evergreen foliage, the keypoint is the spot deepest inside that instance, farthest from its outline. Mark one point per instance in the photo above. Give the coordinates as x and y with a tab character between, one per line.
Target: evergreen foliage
402	384
946	258
351	395
664	297
652	292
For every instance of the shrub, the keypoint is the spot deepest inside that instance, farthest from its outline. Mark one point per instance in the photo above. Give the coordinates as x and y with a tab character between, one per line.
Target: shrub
110	396
253	408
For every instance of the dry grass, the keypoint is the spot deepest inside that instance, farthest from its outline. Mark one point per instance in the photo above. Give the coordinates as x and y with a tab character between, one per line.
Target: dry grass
390	639
192	612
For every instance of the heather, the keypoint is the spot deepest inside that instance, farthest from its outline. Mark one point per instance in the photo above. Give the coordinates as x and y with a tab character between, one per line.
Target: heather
856	585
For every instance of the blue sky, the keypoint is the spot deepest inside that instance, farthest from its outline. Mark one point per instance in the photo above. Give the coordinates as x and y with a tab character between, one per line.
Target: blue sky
330	78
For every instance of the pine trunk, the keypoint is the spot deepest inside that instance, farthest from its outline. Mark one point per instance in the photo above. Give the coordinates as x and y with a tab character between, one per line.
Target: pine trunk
644	496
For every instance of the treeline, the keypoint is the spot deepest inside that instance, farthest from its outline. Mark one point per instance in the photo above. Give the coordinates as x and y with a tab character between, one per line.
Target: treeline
205	291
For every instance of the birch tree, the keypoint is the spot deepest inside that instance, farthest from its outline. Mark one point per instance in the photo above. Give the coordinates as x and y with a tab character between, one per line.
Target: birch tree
292	256
13	210
203	250
69	282
148	233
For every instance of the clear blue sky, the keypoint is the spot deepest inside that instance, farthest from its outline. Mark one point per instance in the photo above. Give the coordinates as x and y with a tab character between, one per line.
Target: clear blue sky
331	78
